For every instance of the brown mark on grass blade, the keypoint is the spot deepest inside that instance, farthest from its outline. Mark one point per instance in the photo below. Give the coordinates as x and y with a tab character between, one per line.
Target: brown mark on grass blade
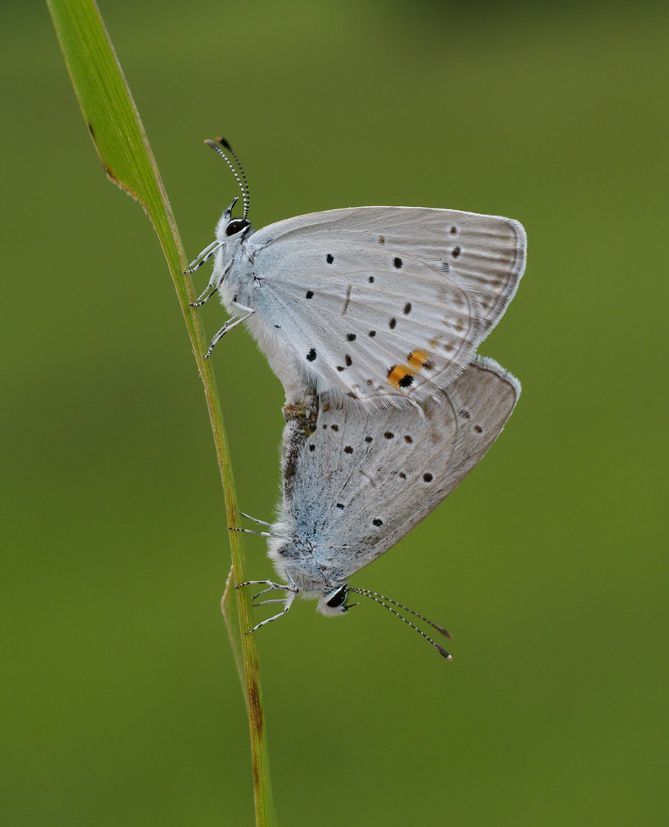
255	707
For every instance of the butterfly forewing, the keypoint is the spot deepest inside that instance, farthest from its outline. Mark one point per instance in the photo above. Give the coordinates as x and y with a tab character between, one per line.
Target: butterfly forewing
361	481
386	301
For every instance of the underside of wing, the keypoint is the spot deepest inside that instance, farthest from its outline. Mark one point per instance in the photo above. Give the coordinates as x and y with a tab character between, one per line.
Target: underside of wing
363	480
386	302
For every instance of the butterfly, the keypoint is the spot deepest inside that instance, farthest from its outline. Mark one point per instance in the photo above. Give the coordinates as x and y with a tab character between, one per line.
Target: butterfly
379	304
355	482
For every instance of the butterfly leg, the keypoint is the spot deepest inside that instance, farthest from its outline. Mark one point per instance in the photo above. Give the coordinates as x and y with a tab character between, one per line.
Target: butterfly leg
212	286
254	532
250	531
261	592
204	297
227	327
271	585
288	587
254	519
271	600
202	257
288	602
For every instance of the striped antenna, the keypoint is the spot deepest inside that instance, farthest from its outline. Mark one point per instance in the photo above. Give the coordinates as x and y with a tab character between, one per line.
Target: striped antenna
381	600
239	178
247	198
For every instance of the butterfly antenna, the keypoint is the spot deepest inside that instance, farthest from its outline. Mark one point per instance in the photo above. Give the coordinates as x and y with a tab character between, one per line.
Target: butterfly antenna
245	180
380	599
240	176
368	593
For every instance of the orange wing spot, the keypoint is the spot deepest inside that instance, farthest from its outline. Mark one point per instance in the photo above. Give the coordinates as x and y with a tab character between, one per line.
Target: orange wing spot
401	376
418	358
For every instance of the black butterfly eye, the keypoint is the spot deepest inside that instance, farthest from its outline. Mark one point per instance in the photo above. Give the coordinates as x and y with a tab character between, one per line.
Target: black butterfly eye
338	597
236	226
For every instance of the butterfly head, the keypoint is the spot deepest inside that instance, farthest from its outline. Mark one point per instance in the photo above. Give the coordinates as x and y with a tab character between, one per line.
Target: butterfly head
231	230
333	602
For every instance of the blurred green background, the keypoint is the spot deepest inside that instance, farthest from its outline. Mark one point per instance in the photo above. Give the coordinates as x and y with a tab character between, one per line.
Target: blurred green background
549	563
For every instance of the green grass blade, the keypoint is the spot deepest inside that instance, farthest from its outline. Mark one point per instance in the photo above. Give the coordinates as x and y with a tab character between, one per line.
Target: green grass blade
122	146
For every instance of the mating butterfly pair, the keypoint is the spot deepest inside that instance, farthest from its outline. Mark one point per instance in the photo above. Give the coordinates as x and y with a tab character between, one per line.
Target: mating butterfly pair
371	318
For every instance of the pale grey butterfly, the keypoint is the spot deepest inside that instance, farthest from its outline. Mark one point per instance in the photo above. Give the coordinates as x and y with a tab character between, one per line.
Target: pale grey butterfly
354	482
373	303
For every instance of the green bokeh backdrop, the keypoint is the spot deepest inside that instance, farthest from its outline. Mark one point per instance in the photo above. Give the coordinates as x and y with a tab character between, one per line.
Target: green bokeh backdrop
549	563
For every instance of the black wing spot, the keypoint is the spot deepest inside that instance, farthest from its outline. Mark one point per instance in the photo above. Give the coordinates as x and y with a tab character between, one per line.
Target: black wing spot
309	294
454	230
377	522
478	429
369	438
348	449
389	435
350	337
372	333
312	447
402	475
397	262
371	279
325	427
407	308
340	505
311	355
382	239
348	360
408	439
456	251
406	381
392	323
335	427
329	258
427	477
340	368
464	413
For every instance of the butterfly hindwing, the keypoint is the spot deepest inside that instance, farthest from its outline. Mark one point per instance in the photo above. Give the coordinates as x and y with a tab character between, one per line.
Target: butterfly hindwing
380	302
362	480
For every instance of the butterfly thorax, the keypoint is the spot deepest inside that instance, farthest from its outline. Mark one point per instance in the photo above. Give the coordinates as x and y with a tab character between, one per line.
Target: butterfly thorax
231	270
297	563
